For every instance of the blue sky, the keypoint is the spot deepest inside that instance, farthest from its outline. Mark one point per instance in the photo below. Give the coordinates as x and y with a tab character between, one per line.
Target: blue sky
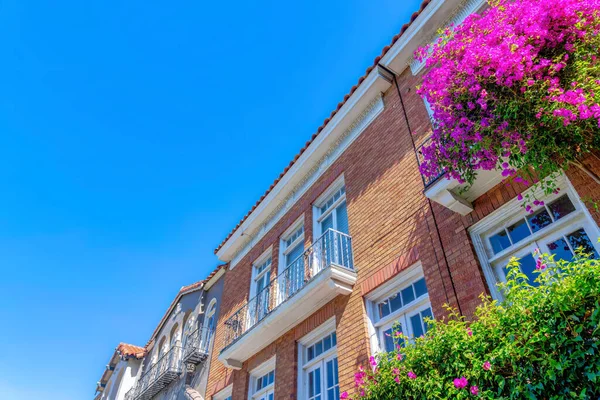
133	137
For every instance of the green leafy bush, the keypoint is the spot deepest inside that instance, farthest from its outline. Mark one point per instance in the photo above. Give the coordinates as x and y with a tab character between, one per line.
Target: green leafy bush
541	342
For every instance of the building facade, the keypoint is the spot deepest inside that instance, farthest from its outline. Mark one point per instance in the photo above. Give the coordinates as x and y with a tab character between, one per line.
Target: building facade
351	239
175	362
120	373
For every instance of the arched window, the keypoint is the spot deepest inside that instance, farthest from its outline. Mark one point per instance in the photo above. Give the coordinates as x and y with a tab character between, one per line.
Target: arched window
186	326
210	317
162	347
174	338
209	322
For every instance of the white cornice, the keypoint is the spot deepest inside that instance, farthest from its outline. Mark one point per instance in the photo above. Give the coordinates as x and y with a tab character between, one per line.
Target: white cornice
354	116
351	117
466	8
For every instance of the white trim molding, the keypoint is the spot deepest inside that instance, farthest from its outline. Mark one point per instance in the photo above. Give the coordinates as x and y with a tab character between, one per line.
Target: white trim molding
511	213
328	328
324	287
349	122
466	8
223	394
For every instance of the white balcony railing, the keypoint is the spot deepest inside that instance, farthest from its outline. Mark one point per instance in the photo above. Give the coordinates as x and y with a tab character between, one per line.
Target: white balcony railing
158	376
332	248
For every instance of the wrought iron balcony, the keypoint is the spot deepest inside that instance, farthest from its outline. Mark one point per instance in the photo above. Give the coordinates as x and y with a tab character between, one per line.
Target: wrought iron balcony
197	345
158	376
323	271
428	181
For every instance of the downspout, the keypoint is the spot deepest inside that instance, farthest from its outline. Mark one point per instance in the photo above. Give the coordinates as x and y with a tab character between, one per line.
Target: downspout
412	140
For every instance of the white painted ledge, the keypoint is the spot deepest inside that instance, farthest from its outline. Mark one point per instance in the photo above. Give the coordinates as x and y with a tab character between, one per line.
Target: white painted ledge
323	288
449	193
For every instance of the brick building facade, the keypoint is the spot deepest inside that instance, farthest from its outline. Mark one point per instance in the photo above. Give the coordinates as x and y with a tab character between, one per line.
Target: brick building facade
303	304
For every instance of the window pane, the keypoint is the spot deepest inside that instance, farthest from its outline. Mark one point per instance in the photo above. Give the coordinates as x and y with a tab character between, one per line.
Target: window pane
408	295
318	381
342	218
561	207
311	383
500	241
318	348
310	353
395	302
327	343
327	223
335	371
426	314
527	267
329	368
581	239
519	231
294	254
420	287
539	219
388	340
416	324
331	394
384	309
333	339
561	249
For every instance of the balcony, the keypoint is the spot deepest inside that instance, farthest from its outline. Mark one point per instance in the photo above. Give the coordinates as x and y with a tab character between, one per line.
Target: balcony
324	271
196	348
158	376
450	193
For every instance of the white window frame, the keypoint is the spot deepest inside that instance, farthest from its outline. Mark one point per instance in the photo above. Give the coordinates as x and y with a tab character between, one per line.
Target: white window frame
377	326
304	366
284	249
511	213
224	394
259	372
255	275
318	217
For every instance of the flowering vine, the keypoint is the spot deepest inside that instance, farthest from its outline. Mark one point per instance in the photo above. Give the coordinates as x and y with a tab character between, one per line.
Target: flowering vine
516	88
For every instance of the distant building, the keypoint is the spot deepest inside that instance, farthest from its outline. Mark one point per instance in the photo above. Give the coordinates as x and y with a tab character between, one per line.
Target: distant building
174	364
120	373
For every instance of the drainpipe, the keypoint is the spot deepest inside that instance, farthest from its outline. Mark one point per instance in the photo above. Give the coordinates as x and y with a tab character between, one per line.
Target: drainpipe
412	140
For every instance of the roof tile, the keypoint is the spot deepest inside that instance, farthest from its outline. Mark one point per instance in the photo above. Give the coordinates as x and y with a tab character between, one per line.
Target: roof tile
320	128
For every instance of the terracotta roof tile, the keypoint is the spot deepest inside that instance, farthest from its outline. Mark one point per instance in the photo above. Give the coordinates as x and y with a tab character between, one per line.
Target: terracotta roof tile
129	350
320	128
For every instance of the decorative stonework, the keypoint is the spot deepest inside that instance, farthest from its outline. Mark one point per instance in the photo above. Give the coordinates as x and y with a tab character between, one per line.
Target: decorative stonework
190	368
466	8
336	149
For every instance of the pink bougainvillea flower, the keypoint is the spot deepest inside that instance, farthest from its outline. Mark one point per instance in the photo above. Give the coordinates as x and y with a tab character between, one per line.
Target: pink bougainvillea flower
487	366
399	357
540	265
474	390
461	383
512	54
344	396
412	375
396	371
469	332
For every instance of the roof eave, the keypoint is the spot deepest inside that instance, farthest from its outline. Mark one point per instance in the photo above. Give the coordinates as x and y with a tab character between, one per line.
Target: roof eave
376	82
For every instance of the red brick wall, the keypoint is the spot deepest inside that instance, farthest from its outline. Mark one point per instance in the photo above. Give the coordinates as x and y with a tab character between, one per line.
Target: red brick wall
392	225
